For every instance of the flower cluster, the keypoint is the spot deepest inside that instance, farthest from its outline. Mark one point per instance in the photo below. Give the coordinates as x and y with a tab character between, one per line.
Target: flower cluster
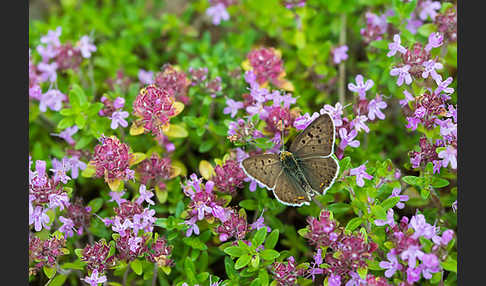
217	11
175	82
154	171
44	252
346	252
113	110
267	65
154	107
96	256
376	26
286	273
111	159
228	177
55	57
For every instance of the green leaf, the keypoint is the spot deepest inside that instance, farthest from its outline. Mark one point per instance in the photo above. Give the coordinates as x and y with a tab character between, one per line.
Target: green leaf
190	271
77	97
378	212
353	224
250	205
269	254
79	252
344	164
49	271
242	261
259	237
374	265
58	280
195	242
390	202
95	204
426	29
362	272
235	251
80	121
263	277
272	239
255	261
78	265
136	266
229	266
450	264
303	231
439	182
413	180
65	123
263	143
66	112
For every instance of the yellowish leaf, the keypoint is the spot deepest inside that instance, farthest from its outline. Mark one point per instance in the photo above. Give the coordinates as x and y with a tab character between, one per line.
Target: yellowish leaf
136	158
286	85
218	162
206	169
89	171
166	269
136	129
161	194
178	107
176	131
115	185
180	166
175	171
246	65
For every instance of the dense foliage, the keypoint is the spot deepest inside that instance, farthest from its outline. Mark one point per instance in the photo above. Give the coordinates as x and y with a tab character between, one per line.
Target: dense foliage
140	113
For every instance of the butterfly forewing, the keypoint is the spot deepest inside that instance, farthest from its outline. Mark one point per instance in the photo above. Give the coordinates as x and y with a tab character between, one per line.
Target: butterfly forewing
264	168
320	172
316	140
288	193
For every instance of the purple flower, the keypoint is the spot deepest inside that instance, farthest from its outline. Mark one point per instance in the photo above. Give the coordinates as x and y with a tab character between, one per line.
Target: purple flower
334	280
430	264
60	201
428	8
232	107
408	98
134	243
413	122
52	37
145	77
94	279
443	85
396	46
287	99
118	118
392	265
447	127
86	46
192	226
46	52
303	121
403	75
429	68
447	236
452	112
356	280
348	139
40	218
119	102
48	71
413	274
389	220
449	156
59	169
403	198
435	41
421	227
374	108
53	99
117	197
218	12
259	223
335	112
67	226
413	24
360	173
340	54
119	227
67	135
411	254
315	269
144	196
359	123
360	87
76	164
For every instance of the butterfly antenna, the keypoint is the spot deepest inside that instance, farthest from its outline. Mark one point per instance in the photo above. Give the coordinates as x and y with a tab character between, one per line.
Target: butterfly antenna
282	136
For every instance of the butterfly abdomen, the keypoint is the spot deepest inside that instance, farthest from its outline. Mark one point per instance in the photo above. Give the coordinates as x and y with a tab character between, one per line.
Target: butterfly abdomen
292	169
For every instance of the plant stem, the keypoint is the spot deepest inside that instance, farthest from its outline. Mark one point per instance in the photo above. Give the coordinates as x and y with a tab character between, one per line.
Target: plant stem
125	275
342	67
154	275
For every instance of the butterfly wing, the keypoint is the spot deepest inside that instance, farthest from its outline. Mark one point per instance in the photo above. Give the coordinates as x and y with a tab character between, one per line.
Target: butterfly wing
264	168
320	172
316	140
288	193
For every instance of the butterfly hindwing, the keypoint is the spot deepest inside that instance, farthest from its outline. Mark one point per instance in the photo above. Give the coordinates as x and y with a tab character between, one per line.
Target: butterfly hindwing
320	172
264	168
316	140
288	193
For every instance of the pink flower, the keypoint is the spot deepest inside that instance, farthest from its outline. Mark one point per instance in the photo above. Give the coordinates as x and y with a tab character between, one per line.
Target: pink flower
145	196
40	218
303	121
59	168
232	107
67	227
340	54
86	46
134	243
396	46
359	123
435	41
94	279
348	139
145	77
53	99
67	134
118	118
52	37
429	8
403	75
374	108
335	112
429	68
218	12
392	265
361	87
111	159
117	197
360	173
411	254
449	156
48	71
389	219
408	98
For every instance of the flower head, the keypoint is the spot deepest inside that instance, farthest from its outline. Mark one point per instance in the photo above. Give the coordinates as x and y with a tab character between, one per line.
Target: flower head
53	99
392	265
94	279
403	75
232	107
435	41
111	159
118	118
360	87
218	12
145	196
340	54
396	46
374	108
86	46
360	173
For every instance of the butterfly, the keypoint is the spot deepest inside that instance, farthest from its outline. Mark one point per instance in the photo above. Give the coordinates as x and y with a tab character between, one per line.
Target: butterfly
306	169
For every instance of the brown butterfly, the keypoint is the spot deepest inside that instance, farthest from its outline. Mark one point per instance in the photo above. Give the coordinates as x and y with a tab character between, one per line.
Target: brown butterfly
307	169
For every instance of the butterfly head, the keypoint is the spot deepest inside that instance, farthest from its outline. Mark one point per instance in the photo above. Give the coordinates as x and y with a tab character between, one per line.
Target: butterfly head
284	154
